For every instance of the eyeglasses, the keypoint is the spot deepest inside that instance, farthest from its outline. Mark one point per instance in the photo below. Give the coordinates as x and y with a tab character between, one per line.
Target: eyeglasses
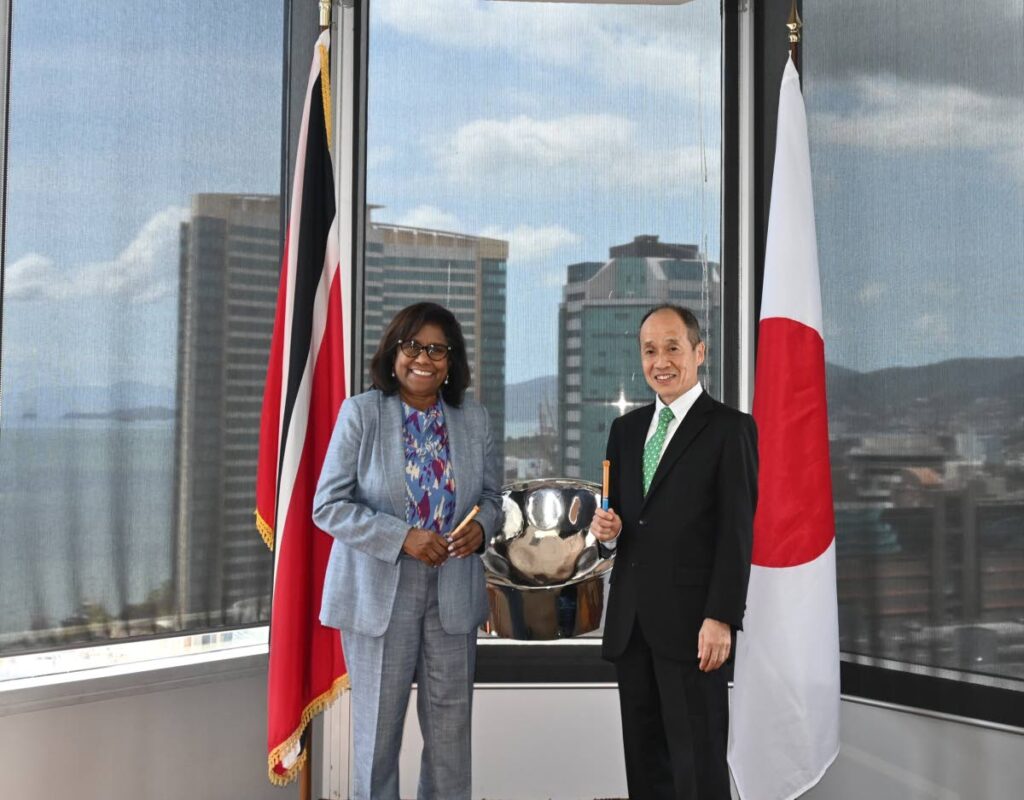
435	352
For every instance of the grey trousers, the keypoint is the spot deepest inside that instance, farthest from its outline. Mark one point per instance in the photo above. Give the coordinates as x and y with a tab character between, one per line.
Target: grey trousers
382	669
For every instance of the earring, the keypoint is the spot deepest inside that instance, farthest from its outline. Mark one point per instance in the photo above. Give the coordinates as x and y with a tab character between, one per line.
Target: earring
392	373
445	380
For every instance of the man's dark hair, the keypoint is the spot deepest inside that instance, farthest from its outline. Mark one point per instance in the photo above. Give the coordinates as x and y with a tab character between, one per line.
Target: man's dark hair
405	325
688	317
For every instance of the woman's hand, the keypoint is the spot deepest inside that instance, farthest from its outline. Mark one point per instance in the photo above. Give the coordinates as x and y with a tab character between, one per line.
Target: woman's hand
427	546
467	541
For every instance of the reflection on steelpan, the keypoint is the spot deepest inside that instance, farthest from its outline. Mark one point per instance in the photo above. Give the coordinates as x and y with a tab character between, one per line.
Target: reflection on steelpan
545	577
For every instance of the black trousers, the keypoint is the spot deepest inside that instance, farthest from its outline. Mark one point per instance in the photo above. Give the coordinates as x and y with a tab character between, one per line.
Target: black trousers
675	722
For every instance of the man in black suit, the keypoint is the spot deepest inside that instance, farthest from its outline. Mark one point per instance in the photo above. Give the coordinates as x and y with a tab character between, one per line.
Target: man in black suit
682	496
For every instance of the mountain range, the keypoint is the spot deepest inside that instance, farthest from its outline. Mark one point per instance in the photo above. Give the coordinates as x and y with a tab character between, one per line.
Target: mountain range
990	389
987	392
980	392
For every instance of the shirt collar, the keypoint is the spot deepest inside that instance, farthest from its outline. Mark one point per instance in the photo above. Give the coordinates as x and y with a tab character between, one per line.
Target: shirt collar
433	412
681	404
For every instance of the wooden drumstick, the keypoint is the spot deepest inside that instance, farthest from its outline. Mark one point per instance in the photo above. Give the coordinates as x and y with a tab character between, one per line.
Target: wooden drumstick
450	538
606	466
469	518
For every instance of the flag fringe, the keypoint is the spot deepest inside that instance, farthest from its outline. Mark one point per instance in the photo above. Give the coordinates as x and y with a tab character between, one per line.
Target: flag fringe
325	91
266	532
318	704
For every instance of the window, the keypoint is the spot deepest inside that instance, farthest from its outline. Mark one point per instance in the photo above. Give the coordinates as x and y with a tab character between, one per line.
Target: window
569	155
918	177
140	275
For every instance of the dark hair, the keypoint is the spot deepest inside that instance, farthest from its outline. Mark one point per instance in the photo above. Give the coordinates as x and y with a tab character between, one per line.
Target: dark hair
405	325
688	317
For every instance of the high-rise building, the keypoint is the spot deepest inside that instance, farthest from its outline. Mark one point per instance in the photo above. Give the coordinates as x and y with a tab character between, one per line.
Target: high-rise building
465	274
228	276
602	305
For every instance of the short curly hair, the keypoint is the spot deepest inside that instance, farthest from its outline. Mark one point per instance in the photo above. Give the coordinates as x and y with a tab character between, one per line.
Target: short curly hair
404	325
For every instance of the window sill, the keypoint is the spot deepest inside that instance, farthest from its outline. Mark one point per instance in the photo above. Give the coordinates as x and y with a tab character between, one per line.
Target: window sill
141	675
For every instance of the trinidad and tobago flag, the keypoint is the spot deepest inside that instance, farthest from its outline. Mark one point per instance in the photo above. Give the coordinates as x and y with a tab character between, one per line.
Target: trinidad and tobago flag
785	706
304	391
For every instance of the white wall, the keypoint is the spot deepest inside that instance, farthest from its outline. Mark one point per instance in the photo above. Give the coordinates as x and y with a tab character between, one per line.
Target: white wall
887	753
203	737
532	743
198	738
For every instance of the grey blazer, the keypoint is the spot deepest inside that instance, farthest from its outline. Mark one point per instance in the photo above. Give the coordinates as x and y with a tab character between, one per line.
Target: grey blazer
361	501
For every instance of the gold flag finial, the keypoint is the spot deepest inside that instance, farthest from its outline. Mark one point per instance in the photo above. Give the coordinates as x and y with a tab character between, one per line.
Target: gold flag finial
325	14
794	24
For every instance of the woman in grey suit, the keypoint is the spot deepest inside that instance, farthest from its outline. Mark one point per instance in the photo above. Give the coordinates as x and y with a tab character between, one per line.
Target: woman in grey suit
407	462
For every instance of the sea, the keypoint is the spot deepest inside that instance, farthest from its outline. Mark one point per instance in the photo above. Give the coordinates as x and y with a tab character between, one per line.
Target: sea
85	519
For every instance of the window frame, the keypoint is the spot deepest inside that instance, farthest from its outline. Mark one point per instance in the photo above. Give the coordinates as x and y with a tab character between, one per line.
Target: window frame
936	690
122	672
566	661
754	48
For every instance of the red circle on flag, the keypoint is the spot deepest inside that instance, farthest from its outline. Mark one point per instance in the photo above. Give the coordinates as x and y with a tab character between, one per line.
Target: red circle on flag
794	522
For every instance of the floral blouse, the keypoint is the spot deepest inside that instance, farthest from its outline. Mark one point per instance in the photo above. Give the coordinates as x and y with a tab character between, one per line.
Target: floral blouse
429	480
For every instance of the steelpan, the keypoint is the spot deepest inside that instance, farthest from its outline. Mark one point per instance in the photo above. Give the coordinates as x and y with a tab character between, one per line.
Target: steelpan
545	578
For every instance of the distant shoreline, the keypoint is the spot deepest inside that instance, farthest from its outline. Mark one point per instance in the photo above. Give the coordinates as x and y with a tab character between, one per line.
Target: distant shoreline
143	414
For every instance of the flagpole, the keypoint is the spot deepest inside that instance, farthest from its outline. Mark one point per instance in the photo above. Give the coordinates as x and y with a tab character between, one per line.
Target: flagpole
794	25
306	773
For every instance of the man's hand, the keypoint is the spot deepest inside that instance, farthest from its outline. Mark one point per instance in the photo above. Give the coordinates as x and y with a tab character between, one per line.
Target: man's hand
605	525
427	546
713	644
467	541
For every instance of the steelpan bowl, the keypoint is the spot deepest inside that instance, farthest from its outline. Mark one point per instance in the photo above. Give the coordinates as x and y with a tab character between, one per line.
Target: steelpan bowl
545	577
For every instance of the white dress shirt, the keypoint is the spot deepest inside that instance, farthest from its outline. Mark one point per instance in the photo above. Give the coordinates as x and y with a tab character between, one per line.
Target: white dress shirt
680	406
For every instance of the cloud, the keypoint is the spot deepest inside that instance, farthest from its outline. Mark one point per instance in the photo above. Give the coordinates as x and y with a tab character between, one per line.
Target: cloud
603	149
659	48
935	327
145	271
892	114
378	156
553	280
975	45
871	292
426	216
31	277
527	244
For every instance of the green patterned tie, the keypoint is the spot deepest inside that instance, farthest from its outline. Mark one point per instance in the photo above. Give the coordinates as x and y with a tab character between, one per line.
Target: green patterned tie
652	450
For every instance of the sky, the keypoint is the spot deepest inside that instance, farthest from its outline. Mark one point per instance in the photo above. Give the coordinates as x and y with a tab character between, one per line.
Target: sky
564	129
112	130
915	123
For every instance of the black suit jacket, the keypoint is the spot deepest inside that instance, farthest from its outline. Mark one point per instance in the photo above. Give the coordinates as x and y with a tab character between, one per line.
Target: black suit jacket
684	551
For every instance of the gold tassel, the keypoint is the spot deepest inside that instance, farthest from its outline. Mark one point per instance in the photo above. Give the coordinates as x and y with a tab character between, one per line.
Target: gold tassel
325	90
265	531
339	687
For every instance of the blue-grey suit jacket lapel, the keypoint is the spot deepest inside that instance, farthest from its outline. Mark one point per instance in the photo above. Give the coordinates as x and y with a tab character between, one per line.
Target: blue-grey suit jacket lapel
392	443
